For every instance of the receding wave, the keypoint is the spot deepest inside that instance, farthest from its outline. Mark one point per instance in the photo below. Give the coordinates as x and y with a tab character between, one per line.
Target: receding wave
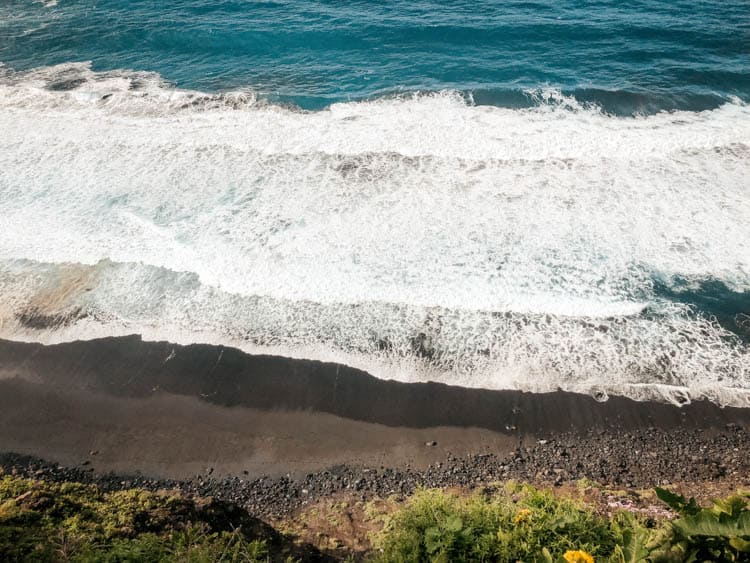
419	237
666	352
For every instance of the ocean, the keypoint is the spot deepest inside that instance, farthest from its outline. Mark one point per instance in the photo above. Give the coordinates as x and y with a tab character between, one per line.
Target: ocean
504	195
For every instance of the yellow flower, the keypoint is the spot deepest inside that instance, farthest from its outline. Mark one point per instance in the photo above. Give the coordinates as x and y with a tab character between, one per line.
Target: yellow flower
578	557
522	516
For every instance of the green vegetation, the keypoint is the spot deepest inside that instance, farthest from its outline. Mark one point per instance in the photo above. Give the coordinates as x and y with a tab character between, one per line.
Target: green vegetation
720	533
521	524
45	521
42	521
524	524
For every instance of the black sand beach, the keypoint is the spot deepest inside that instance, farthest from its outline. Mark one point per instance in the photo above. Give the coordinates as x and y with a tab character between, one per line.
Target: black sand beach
273	433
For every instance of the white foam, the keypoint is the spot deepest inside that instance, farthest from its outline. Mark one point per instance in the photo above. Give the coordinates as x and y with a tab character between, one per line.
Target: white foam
670	354
409	204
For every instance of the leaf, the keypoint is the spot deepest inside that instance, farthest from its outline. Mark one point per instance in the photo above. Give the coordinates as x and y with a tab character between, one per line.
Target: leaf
732	506
547	556
633	549
708	524
741	545
673	500
432	539
562	521
454	524
678	502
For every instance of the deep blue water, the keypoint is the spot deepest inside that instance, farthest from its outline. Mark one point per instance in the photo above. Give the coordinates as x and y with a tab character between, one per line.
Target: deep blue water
625	56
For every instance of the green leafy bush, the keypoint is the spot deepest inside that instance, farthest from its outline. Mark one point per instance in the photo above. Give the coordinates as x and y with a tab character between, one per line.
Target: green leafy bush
519	524
720	533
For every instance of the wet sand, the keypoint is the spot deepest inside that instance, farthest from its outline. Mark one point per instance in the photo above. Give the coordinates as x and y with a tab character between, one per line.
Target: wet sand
171	412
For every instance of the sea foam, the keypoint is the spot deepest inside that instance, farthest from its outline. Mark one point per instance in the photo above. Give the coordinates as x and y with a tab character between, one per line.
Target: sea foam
418	236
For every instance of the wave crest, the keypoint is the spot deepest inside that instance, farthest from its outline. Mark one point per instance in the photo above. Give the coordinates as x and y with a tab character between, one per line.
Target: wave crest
76	84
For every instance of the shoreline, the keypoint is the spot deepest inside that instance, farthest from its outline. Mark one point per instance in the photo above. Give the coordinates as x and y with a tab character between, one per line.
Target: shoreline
260	430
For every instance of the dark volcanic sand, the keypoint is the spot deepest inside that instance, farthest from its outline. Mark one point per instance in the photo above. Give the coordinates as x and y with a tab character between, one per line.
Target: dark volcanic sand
214	421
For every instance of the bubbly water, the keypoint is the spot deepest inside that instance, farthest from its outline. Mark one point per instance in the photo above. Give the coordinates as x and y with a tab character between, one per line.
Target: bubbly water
491	194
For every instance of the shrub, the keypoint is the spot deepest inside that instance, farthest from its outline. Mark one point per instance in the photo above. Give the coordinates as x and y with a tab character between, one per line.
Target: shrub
720	533
73	522
521	524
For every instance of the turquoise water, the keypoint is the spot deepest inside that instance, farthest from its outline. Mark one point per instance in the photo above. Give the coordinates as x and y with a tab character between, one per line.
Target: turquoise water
635	56
532	195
